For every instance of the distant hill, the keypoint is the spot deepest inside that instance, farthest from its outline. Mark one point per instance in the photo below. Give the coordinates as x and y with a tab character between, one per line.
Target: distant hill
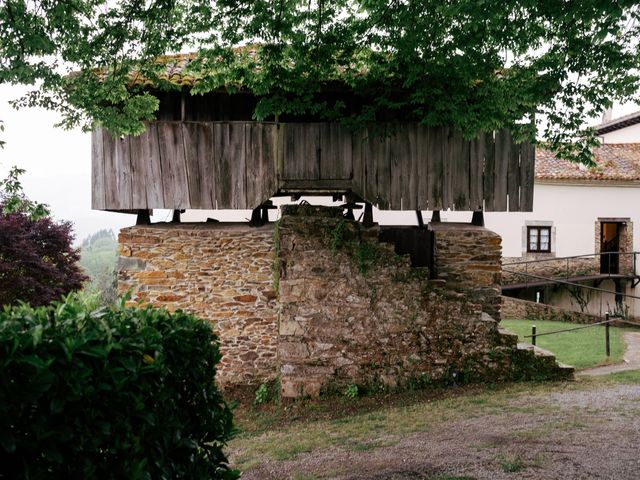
98	253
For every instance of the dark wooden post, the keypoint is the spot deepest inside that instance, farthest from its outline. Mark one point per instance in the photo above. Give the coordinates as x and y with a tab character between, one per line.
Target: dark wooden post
176	216
435	217
533	335
420	219
143	217
256	218
350	207
367	219
478	218
260	215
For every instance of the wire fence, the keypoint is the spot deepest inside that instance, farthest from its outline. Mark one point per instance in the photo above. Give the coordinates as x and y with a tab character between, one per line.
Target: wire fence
606	322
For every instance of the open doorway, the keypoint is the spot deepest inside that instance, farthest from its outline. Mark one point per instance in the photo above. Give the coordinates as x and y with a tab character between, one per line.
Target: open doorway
609	247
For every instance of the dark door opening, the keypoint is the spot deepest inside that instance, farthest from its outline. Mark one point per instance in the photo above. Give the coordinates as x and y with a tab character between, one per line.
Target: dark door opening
609	247
415	241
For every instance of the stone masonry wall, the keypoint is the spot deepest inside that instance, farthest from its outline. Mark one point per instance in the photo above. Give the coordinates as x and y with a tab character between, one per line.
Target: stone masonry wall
354	312
468	259
221	273
549	268
319	303
515	308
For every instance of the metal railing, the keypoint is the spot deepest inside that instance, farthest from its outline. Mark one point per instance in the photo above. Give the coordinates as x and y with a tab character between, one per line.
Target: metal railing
609	266
618	295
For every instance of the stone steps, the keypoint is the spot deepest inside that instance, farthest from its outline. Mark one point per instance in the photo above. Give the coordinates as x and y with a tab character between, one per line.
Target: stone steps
544	361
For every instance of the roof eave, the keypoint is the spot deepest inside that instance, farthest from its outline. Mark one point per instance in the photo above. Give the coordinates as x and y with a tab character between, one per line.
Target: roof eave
600	182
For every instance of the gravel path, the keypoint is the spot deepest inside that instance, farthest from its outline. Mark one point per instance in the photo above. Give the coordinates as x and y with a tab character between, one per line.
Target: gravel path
631	359
567	434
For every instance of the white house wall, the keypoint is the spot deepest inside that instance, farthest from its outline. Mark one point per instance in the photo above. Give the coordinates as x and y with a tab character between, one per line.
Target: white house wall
573	209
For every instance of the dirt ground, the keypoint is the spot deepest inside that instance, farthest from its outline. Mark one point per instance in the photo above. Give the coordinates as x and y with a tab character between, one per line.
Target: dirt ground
590	432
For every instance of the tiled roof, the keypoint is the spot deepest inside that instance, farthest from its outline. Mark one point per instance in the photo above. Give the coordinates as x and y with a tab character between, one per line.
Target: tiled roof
615	161
175	68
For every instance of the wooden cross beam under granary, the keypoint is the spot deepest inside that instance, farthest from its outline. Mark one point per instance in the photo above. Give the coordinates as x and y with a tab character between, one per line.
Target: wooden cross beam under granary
318	300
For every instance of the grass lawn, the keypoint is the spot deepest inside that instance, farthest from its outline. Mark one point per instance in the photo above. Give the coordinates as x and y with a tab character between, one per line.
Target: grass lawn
581	348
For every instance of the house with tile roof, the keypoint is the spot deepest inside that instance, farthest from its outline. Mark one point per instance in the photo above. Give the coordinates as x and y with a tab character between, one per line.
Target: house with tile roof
591	214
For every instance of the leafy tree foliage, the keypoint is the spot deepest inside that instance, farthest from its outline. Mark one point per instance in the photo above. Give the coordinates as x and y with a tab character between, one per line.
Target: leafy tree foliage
474	64
37	262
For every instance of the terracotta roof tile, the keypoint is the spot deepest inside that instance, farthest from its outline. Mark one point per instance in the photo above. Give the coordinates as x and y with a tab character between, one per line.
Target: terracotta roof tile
615	161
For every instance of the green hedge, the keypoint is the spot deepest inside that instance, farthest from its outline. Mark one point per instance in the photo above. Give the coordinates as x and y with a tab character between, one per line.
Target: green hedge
109	393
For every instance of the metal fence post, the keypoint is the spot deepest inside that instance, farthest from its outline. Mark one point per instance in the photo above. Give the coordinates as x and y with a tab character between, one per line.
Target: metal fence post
533	335
606	335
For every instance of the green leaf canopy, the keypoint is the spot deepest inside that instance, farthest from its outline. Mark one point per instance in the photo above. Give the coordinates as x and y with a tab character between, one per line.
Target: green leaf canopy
477	65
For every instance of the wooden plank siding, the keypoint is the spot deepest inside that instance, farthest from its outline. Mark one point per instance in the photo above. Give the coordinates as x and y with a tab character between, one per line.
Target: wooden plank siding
98	177
239	165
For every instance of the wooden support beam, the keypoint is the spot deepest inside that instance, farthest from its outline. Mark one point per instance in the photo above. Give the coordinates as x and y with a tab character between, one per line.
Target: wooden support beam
367	219
420	219
478	218
176	216
350	207
435	217
256	218
143	217
264	208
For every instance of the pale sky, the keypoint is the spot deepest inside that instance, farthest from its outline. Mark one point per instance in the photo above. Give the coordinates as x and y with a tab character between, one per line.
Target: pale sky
58	166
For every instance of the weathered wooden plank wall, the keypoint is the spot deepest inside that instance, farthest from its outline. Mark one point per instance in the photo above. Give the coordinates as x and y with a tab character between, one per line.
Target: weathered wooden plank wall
239	165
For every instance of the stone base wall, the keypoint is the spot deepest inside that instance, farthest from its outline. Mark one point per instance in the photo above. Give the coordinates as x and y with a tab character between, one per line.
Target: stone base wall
320	304
222	274
354	312
549	268
515	308
468	259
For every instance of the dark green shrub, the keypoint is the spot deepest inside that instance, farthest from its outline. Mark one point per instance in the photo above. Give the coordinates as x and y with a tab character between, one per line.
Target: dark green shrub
110	393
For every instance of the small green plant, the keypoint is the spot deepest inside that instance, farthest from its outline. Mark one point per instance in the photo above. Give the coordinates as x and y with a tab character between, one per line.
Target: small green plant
352	392
511	464
337	238
366	254
262	394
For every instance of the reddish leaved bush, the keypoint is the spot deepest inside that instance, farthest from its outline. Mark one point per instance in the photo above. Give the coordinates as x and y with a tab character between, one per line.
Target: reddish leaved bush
37	261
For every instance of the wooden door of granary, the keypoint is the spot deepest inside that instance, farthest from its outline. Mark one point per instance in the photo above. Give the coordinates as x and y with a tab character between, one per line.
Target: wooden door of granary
239	165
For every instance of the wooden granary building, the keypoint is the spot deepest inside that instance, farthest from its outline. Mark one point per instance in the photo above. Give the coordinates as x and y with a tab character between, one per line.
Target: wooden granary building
206	152
319	300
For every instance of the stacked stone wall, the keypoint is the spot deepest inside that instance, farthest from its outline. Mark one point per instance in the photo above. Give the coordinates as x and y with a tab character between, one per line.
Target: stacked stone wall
516	272
515	308
320	304
468	259
382	324
222	274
